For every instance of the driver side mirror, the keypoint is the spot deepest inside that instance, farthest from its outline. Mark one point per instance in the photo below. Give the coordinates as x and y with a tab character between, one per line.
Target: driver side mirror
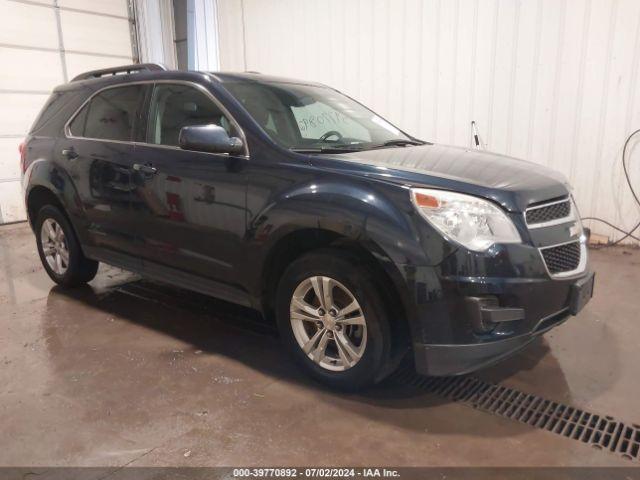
209	138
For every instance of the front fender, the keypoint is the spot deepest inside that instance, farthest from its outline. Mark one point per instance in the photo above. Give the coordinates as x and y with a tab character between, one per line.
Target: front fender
329	206
352	210
363	212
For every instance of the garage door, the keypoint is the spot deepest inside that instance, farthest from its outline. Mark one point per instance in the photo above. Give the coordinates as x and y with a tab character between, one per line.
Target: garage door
44	43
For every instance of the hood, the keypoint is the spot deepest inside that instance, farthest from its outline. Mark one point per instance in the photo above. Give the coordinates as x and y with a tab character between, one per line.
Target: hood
511	182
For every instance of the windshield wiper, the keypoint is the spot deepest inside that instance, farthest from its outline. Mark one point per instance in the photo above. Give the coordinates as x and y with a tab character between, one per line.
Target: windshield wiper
327	149
399	142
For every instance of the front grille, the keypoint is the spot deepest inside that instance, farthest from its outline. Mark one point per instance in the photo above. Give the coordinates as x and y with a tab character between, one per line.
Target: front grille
548	213
563	258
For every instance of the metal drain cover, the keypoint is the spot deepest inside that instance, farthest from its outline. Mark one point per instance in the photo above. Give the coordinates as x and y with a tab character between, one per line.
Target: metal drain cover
602	432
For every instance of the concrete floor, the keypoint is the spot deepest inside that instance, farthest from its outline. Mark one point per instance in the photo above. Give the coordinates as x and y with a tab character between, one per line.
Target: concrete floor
132	372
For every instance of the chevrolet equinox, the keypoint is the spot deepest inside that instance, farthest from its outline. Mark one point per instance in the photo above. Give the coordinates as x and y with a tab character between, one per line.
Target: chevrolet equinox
364	243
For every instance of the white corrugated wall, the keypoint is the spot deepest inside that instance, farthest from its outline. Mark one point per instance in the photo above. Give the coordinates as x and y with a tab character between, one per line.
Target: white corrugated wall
44	43
551	81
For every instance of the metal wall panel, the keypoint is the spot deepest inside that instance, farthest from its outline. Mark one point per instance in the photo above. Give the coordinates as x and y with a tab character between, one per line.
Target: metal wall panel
40	79
95	33
551	81
42	44
79	62
21	20
230	31
11	210
18	111
117	8
9	167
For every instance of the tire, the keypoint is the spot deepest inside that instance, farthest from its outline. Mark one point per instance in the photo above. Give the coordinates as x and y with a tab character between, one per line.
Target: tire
339	370
75	269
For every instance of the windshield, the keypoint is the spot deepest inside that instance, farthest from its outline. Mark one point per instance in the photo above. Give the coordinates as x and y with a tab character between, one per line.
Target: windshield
314	118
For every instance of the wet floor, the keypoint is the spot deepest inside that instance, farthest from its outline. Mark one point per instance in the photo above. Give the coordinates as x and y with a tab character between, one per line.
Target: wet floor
127	371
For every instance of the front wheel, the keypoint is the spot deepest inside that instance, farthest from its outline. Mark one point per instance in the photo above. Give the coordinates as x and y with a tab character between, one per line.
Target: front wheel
331	317
60	251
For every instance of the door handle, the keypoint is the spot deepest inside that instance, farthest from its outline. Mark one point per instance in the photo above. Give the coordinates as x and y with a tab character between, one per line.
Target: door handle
69	153
144	168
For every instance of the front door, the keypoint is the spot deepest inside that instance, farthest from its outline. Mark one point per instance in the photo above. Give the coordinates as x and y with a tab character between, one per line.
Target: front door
189	206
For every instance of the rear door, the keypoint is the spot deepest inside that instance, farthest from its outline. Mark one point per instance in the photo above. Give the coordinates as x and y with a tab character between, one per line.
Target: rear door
190	207
98	152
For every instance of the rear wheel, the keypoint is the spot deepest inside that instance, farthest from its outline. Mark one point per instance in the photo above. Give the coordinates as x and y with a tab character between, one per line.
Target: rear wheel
60	251
331	318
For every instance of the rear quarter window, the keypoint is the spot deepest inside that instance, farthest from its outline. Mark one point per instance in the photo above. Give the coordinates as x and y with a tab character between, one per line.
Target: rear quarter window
56	111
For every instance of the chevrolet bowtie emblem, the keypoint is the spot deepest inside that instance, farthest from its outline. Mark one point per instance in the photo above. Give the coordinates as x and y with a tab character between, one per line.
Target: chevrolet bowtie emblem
574	230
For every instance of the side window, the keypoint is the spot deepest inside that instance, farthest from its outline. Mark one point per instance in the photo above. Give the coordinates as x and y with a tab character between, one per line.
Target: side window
110	115
175	106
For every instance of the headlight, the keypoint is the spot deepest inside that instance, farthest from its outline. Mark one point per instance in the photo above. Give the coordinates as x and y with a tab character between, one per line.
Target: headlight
472	222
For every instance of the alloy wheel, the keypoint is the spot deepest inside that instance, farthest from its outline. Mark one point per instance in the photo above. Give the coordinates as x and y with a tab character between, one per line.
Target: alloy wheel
328	323
54	246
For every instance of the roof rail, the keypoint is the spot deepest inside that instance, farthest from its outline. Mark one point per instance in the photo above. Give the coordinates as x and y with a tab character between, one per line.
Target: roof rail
124	69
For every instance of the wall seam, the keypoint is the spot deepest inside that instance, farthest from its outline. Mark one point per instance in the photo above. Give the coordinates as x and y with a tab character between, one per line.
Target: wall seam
454	96
437	70
604	106
58	50
577	121
494	53
512	81
474	64
420	67
244	35
556	82
63	60
403	63
533	93
69	9
25	92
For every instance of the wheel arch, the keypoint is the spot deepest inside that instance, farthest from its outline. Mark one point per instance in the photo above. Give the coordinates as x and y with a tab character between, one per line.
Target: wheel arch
300	242
39	196
365	218
49	183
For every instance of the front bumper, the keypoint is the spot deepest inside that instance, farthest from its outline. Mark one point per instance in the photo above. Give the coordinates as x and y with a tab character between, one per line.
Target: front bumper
467	309
443	360
450	343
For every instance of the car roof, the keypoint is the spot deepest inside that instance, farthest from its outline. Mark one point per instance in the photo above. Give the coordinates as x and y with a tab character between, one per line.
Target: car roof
149	72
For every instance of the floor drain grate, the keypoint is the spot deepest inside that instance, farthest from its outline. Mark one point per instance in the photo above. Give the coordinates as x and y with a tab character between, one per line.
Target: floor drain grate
602	432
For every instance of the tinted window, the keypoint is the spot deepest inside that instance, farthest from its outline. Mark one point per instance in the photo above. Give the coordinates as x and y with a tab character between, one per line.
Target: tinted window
177	106
110	115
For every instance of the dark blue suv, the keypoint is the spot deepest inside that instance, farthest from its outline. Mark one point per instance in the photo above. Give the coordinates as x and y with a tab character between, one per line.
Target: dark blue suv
361	241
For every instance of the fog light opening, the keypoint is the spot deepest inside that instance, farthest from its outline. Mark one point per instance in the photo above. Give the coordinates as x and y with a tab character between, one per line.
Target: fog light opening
486	313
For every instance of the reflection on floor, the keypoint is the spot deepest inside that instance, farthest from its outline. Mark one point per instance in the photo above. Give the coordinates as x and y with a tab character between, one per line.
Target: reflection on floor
129	371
